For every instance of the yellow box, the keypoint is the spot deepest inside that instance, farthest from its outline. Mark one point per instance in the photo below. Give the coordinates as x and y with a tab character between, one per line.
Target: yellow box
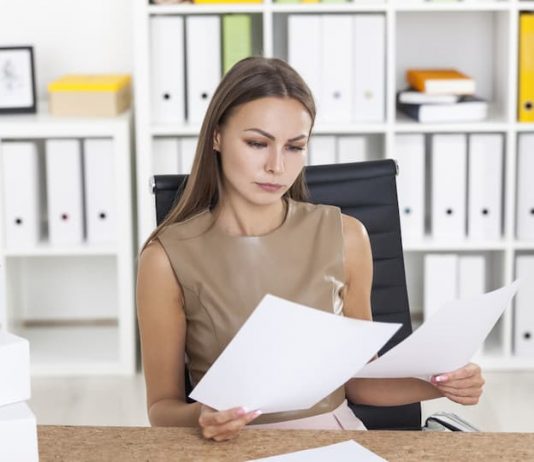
99	95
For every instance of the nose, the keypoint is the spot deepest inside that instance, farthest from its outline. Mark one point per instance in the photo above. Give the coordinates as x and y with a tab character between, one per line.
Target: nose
275	162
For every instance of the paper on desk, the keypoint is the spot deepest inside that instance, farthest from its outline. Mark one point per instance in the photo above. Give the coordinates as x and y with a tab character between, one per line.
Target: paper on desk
347	451
447	341
288	357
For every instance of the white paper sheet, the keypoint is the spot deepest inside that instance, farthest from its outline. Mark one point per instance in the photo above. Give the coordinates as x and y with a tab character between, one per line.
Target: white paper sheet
447	341
347	451
288	357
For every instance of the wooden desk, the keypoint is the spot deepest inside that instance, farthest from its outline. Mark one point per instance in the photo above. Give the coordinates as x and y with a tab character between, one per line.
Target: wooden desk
57	443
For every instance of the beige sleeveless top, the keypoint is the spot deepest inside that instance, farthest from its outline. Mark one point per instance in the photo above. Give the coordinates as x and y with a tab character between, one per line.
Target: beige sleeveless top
224	278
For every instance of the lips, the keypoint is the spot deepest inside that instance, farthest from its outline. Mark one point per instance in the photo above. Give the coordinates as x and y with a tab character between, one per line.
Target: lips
270	187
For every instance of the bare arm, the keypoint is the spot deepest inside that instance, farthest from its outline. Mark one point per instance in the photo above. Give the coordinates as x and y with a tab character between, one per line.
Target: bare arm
162	327
357	304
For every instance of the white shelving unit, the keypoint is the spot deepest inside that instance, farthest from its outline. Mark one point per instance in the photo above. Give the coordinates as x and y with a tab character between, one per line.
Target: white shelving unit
477	36
90	286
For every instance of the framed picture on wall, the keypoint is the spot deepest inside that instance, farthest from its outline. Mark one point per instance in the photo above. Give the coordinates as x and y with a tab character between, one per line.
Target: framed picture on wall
17	80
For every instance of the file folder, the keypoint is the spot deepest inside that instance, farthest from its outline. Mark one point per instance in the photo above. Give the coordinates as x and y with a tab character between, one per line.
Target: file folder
369	69
449	164
20	178
351	149
64	191
203	55
14	369
167	69
337	57
165	156
485	186
100	191
237	39
241	38
523	310
18	434
187	154
526	67
525	187
322	150
304	34
471	276
409	151
441	281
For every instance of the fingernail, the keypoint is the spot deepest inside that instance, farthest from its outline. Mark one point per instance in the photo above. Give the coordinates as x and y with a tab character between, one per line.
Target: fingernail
441	378
257	413
242	411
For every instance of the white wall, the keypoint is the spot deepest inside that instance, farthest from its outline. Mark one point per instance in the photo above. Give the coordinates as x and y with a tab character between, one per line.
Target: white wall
70	36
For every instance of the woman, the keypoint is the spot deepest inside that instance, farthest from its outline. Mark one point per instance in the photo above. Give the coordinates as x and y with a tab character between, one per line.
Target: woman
242	229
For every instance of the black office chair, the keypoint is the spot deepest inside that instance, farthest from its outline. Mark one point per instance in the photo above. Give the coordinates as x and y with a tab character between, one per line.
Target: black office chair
367	191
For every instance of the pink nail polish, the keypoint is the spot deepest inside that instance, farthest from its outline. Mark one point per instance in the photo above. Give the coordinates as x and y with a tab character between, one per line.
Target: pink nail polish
441	378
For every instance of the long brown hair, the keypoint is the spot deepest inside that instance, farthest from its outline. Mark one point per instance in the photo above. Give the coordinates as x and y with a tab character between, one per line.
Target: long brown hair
249	79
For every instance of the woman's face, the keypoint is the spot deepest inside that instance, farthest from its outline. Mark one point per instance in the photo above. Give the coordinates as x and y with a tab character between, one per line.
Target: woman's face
263	147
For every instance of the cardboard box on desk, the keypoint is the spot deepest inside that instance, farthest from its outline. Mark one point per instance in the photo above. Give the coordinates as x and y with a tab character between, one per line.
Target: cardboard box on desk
90	95
18	434
14	369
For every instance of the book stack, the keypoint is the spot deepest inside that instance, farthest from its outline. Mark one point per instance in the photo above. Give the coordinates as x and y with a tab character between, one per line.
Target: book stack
441	95
18	428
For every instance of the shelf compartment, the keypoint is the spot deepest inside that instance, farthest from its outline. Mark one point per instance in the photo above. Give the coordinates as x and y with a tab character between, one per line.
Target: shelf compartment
474	42
61	288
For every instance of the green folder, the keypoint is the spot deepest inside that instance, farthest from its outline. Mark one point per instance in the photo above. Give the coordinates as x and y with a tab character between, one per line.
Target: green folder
237	39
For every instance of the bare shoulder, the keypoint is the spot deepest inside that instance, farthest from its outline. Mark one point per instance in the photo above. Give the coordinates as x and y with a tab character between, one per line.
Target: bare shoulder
154	257
155	273
355	234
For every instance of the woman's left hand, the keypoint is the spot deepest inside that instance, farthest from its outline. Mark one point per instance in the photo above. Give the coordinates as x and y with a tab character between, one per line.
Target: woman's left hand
462	386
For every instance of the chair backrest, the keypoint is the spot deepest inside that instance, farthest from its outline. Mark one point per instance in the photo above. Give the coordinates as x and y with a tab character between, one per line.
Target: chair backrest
367	191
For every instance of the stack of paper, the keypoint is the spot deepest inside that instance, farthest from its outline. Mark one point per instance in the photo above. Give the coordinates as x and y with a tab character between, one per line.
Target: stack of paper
18	430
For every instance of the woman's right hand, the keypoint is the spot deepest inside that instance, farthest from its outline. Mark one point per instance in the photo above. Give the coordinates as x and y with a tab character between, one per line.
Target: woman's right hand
224	425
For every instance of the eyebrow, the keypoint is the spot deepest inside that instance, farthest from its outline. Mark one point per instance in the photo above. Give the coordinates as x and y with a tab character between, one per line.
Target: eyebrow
271	137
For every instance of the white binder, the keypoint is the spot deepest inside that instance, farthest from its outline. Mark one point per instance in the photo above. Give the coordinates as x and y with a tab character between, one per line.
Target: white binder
471	276
14	369
322	150
485	186
351	149
337	55
369	69
441	281
523	310
449	163
100	190
187	154
20	175
305	34
167	69
64	191
525	187
409	151
18	434
165	156
203	56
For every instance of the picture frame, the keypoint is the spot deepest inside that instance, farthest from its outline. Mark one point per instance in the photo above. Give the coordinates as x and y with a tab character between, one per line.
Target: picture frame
17	80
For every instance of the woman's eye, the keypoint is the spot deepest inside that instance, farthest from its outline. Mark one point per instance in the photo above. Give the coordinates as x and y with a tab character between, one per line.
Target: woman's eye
296	148
255	144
